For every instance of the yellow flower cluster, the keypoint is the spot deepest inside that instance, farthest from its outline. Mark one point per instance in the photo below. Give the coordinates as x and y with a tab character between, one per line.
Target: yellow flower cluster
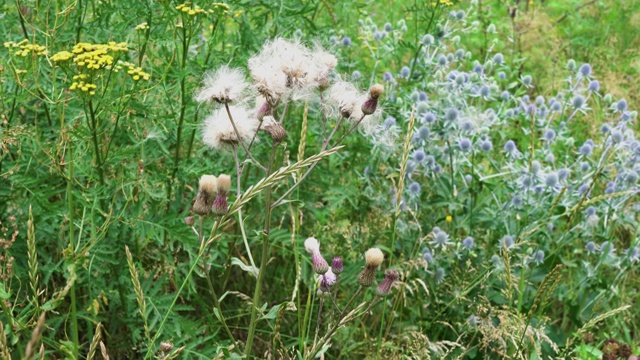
442	2
136	72
82	85
25	48
142	26
61	56
186	8
96	56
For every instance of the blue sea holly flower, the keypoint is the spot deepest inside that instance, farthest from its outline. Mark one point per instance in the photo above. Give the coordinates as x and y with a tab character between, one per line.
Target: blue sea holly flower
468	243
498	58
507	241
346	41
591	247
405	72
585	69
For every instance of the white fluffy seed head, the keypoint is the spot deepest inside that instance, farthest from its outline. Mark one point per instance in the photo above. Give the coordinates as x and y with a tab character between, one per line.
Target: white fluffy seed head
346	100
224	183
218	130
373	257
208	184
312	245
223	85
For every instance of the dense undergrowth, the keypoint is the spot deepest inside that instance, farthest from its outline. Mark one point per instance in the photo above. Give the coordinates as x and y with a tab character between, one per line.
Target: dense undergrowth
166	169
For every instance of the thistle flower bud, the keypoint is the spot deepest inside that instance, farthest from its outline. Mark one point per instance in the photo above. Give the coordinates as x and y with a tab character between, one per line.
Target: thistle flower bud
274	129
166	346
336	265
220	205
370	105
390	276
373	258
320	265
327	280
189	220
206	190
224	184
263	111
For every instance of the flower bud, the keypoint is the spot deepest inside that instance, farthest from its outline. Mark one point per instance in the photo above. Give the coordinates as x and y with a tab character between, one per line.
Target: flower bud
263	111
274	129
189	220
220	205
207	188
370	105
336	265
390	276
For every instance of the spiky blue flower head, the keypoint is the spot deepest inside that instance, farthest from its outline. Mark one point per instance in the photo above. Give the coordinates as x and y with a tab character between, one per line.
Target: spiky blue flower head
556	106
439	275
440	238
538	257
591	247
621	105
429	118
422	96
405	72
486	145
550	158
428	40
460	53
414	188
531	109
539	100
498	59
583	189
460	15
549	135
389	122
459	79
355	75
578	102
478	69
617	136
631	177
527	79
422	108
485	91
451	114
586	149
468	243
525	99
516	201
507	242
625	116
527	182
605	129
510	147
585	69
584	166
423	133
505	95
538	189
414	96
535	167
427	256
496	260
464	144
502	75
378	35
468	179
590	211
551	179
571	64
563	174
388	27
346	41
611	188
411	167
388	77
333	40
594	86
442	60
450	57
419	155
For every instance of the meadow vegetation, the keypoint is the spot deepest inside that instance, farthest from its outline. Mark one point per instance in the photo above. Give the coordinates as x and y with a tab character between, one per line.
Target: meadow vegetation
272	179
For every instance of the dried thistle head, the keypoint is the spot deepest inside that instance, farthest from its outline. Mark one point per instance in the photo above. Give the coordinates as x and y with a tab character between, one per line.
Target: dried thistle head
274	129
224	184
207	189
373	257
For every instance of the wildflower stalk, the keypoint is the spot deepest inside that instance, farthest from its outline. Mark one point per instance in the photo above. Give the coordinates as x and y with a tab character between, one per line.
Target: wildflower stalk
94	135
240	219
72	247
246	150
265	257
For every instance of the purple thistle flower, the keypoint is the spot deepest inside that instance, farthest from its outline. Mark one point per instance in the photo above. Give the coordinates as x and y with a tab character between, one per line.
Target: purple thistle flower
320	265
336	265
390	276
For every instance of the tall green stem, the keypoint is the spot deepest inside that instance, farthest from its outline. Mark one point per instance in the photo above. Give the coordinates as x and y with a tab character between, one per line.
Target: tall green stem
74	317
96	147
263	261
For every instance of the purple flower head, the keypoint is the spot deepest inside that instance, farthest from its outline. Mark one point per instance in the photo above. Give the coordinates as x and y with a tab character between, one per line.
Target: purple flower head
422	96
538	257
510	147
594	86
390	276
621	105
320	265
414	188
429	118
498	58
591	247
464	144
526	80
220	204
423	133
327	279
346	41
451	114
388	77
551	179
549	135
507	242
578	102
405	72
486	145
336	265
389	122
419	155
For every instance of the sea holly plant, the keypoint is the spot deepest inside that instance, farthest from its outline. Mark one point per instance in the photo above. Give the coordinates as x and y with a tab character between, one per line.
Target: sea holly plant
524	192
246	113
